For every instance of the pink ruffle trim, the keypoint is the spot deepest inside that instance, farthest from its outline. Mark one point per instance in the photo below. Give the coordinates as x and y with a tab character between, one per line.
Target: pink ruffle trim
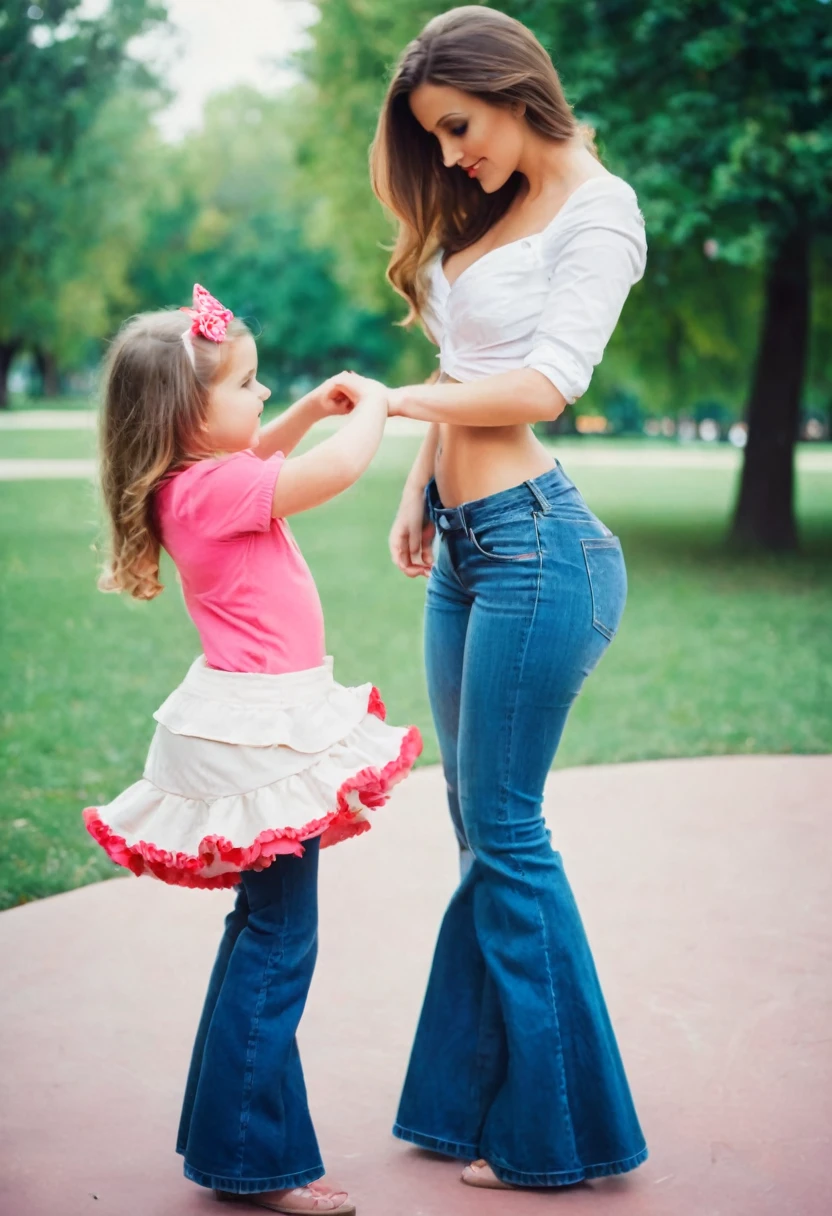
372	785
375	705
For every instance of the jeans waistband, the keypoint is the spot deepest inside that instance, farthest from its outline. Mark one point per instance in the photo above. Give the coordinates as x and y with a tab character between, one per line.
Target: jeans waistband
541	492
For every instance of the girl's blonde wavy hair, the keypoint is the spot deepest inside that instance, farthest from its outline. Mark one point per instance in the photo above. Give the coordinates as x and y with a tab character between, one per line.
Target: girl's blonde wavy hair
491	56
155	402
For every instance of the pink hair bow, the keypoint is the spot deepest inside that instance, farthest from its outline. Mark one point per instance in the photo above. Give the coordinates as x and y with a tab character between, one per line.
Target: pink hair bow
210	318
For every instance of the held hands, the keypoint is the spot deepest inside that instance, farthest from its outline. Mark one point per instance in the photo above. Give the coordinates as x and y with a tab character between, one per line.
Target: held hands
331	399
340	394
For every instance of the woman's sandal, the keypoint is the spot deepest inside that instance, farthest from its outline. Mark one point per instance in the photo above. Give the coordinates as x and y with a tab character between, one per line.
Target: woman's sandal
480	1173
301	1201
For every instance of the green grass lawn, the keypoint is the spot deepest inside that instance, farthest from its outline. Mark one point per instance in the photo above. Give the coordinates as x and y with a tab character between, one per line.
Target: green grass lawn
47	445
717	653
71	401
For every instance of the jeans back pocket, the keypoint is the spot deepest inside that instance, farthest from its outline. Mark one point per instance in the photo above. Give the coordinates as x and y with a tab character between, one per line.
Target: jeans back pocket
607	582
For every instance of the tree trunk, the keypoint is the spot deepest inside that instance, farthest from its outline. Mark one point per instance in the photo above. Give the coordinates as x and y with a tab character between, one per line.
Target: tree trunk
8	350
50	381
764	515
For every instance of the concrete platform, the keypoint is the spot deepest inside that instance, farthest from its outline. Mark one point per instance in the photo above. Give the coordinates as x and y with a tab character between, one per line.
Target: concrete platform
704	885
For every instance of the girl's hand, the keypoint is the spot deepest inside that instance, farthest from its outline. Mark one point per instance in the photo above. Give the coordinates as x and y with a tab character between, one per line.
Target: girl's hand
353	388
332	400
411	538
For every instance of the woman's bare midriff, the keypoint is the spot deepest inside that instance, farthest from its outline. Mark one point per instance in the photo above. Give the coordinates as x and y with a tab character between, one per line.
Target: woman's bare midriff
476	461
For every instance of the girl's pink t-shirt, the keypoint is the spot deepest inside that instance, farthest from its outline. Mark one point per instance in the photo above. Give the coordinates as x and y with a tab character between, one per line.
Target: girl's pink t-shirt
247	587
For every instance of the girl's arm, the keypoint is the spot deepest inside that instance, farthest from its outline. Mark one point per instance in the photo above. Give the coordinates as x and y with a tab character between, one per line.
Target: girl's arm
284	433
334	465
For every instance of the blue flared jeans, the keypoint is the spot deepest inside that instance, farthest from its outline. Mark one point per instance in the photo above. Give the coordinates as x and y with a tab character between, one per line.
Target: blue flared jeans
515	1059
245	1124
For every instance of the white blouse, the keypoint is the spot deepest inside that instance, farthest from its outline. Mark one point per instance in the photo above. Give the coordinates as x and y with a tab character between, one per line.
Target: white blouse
549	301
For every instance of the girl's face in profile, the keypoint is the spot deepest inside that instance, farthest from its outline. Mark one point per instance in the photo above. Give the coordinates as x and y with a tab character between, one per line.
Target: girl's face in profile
236	400
483	140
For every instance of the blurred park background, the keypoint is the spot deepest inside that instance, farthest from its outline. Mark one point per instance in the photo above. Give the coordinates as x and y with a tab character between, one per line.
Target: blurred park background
145	146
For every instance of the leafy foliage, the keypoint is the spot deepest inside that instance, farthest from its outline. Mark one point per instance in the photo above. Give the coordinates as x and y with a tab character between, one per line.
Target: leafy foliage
72	112
228	213
720	112
57	69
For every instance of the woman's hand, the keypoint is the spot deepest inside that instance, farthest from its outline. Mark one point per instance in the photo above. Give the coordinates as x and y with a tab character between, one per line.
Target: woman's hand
411	538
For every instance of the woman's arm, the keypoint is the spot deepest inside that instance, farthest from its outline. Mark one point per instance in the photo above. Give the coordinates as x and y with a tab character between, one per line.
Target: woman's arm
506	399
422	468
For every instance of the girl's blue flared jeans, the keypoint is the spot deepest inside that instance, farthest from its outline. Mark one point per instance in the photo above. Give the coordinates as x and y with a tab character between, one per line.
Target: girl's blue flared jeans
245	1123
514	1058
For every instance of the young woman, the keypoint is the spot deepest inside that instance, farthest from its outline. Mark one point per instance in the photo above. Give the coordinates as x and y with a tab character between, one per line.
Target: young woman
517	250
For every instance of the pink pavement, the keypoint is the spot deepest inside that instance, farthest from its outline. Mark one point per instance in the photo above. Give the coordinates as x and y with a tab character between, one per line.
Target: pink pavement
704	885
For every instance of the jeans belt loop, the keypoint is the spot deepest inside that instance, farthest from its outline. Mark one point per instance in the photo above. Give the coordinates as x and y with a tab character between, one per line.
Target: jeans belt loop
451	519
542	500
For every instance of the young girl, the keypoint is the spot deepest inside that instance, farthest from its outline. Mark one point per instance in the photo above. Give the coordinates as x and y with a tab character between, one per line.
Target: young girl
259	757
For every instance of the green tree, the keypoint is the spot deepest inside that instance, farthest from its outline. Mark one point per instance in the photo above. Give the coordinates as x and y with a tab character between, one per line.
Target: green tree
687	334
347	65
721	115
75	261
228	213
57	72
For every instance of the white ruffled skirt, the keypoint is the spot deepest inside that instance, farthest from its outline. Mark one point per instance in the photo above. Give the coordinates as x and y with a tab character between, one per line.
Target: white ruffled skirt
244	766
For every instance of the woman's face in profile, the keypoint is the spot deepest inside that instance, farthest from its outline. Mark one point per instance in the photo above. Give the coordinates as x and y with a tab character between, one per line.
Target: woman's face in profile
483	140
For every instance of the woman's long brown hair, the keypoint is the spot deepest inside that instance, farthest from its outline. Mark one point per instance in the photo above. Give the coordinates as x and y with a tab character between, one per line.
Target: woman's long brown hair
485	53
155	401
